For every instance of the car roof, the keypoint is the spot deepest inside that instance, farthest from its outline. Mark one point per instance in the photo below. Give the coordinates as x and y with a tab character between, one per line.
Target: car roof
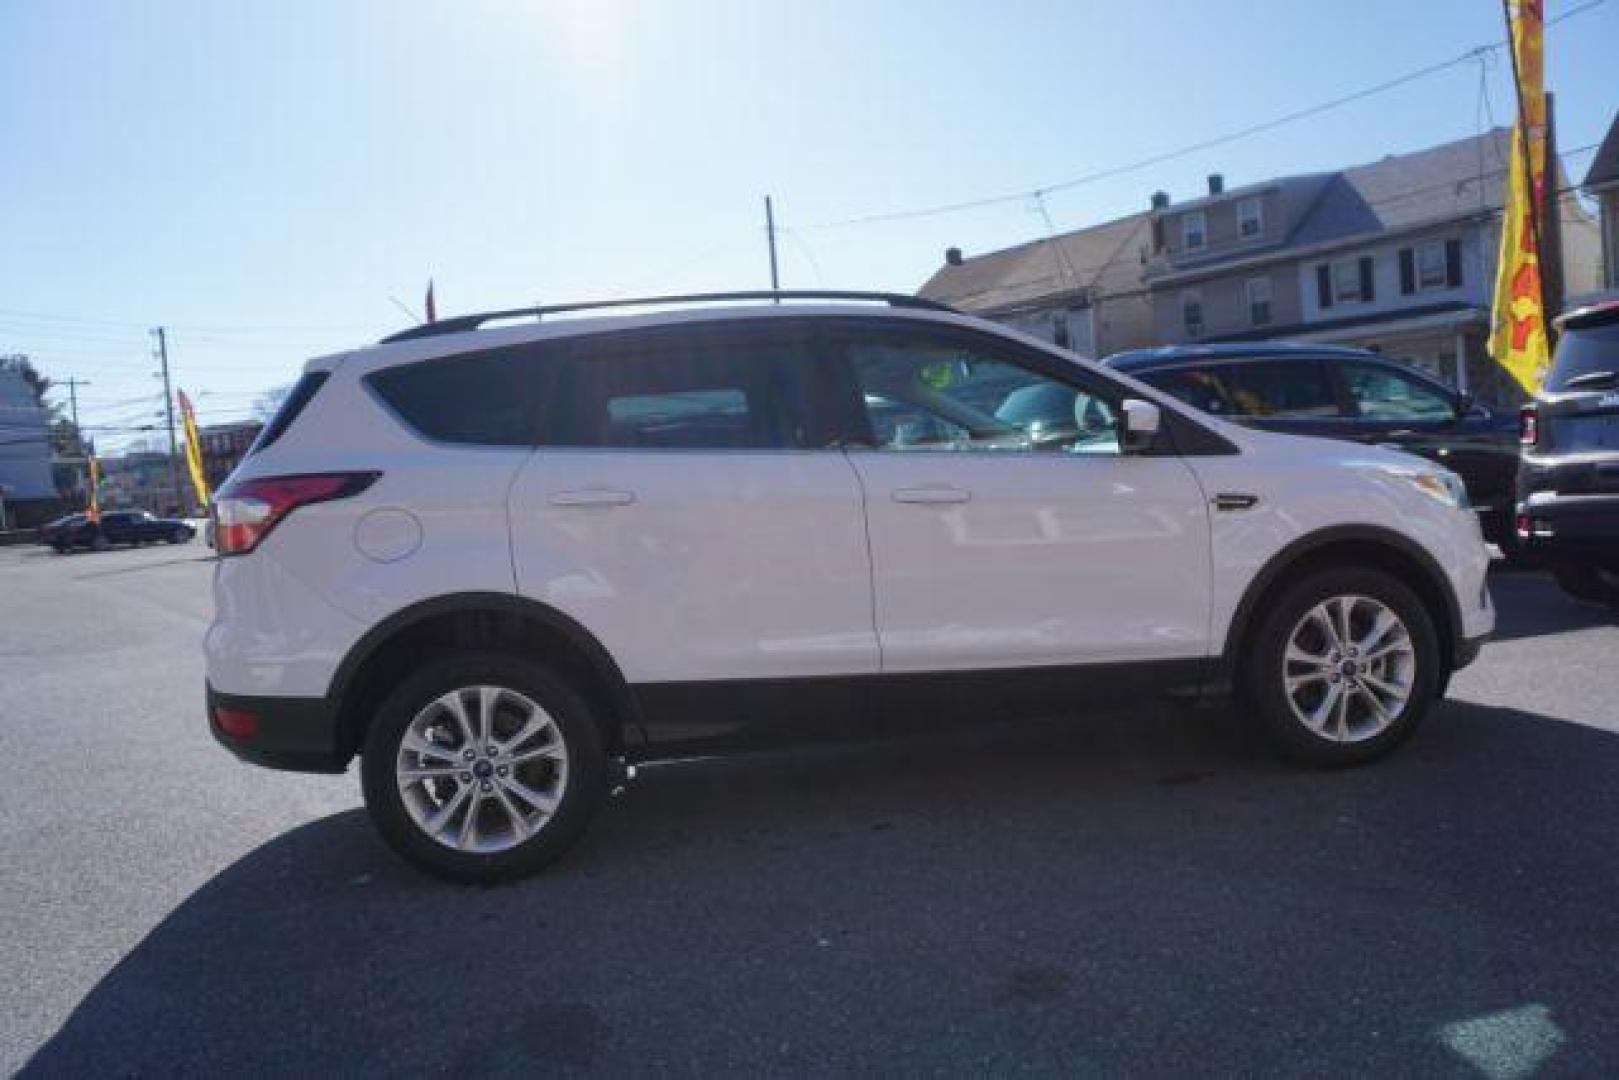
457	341
1166	355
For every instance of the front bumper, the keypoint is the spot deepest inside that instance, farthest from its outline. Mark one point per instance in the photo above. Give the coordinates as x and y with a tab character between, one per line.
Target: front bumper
297	734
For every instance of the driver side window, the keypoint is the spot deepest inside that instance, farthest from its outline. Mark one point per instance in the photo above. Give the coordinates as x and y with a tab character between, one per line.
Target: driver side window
1382	393
933	395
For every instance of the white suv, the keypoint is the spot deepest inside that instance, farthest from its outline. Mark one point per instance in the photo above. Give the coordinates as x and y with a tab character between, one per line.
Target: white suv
500	564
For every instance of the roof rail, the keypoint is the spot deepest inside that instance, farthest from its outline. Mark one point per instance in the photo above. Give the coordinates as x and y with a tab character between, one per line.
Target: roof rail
458	323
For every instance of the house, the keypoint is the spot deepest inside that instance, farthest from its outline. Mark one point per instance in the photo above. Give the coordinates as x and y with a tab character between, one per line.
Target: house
1602	184
223	447
1397	256
1081	290
25	451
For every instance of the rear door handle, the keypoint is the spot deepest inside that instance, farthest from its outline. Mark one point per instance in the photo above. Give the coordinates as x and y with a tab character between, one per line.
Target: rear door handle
941	494
592	497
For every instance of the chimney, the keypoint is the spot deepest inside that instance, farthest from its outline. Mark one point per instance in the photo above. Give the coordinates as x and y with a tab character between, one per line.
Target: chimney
1216	183
952	256
1160	200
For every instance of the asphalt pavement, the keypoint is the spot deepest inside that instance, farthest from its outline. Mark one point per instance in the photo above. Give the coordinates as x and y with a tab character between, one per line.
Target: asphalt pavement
1144	892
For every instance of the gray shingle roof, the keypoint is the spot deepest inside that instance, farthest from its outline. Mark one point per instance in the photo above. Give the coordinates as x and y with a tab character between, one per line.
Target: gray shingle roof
1105	258
1403	191
1605	166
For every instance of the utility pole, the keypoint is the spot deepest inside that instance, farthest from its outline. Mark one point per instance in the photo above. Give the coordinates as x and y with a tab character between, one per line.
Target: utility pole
78	432
168	409
770	230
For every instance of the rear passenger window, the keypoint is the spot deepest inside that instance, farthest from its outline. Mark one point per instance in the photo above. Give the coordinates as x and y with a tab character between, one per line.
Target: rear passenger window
692	391
1282	388
1206	389
484	399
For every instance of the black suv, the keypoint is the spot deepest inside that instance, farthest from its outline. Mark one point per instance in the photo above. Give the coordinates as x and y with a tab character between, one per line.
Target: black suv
1568	483
1352	394
132	527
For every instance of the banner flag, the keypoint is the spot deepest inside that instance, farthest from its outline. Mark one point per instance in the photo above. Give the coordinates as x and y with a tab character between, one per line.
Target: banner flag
1518	338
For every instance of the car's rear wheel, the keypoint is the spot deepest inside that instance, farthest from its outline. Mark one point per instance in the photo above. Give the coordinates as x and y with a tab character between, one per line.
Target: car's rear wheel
1585	582
1342	667
483	768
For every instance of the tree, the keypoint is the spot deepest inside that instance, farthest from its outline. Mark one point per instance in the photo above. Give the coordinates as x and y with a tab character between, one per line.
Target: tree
38	384
270	401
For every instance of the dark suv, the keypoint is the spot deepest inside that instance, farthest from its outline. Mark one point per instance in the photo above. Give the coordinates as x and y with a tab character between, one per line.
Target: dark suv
132	527
1351	394
1568	483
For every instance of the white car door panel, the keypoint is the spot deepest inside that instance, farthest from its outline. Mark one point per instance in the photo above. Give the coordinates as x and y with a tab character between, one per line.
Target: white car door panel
1035	558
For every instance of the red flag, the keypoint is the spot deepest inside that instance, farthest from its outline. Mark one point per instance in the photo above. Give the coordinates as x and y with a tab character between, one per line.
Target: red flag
432	308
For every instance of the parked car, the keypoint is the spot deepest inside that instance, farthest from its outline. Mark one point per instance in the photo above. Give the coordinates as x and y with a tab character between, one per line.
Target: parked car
132	527
1568	485
503	564
1352	394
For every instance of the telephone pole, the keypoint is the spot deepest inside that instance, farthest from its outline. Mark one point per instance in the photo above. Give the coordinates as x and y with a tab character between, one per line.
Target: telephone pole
73	404
168	410
770	230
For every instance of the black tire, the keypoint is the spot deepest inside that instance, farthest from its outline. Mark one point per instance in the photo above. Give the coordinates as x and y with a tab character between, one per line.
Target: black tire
179	536
581	796
60	548
1585	582
1262	688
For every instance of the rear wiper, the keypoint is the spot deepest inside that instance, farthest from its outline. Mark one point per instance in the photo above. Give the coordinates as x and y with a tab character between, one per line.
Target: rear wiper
1592	380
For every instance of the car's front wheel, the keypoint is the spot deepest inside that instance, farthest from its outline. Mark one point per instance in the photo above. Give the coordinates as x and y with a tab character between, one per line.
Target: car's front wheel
1342	667
483	768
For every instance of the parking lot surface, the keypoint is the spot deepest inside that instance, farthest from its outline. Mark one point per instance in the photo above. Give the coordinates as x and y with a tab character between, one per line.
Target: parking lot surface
1141	892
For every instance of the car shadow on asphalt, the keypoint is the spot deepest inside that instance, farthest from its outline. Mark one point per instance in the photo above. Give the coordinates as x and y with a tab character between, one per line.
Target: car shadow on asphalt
1133	893
1529	604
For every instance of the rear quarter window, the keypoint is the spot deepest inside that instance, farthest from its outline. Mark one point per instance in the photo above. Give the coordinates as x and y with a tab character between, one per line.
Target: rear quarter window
1583	351
482	399
302	392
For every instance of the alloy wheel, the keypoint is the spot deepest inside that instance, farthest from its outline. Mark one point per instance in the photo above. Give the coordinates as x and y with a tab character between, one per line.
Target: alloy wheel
1349	668
482	769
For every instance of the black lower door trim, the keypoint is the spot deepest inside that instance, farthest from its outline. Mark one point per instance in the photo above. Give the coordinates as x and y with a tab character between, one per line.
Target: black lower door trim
722	716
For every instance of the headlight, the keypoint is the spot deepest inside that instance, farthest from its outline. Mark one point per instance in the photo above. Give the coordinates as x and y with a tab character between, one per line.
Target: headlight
1439	484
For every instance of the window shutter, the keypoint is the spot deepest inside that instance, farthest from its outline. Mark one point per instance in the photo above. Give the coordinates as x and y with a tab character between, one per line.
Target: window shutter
1408	271
1453	263
1323	285
1366	278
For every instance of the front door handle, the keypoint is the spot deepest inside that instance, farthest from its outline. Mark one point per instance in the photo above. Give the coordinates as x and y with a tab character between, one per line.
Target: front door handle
932	495
592	497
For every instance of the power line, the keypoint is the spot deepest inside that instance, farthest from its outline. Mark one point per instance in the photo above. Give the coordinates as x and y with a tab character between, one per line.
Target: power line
1191	148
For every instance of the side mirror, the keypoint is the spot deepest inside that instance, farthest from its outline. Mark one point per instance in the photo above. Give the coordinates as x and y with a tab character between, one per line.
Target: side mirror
1142	419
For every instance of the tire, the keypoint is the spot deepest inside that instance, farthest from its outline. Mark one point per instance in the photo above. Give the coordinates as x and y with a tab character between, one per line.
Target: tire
1585	582
496	851
1369	722
60	548
178	536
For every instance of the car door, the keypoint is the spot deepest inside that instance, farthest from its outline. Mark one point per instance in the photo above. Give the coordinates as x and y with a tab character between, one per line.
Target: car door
1394	407
688	509
996	547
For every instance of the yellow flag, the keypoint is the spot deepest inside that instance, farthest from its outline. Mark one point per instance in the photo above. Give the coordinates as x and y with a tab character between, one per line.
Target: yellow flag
199	478
1518	339
92	508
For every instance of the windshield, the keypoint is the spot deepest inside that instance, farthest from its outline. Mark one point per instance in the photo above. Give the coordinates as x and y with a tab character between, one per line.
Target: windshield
1584	351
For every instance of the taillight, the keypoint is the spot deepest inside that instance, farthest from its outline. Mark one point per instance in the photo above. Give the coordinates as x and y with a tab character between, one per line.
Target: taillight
1529	425
246	510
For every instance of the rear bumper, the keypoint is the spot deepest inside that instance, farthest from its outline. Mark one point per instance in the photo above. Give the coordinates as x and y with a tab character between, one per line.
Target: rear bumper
297	734
1576	526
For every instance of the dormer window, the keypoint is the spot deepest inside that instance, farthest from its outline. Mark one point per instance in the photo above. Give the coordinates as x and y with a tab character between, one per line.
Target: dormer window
1250	218
1194	233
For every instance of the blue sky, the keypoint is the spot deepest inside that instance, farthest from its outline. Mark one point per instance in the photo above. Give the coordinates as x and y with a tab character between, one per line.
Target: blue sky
262	178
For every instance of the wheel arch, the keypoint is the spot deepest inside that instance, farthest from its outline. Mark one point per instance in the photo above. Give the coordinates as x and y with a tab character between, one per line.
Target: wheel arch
480	620
1350	545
